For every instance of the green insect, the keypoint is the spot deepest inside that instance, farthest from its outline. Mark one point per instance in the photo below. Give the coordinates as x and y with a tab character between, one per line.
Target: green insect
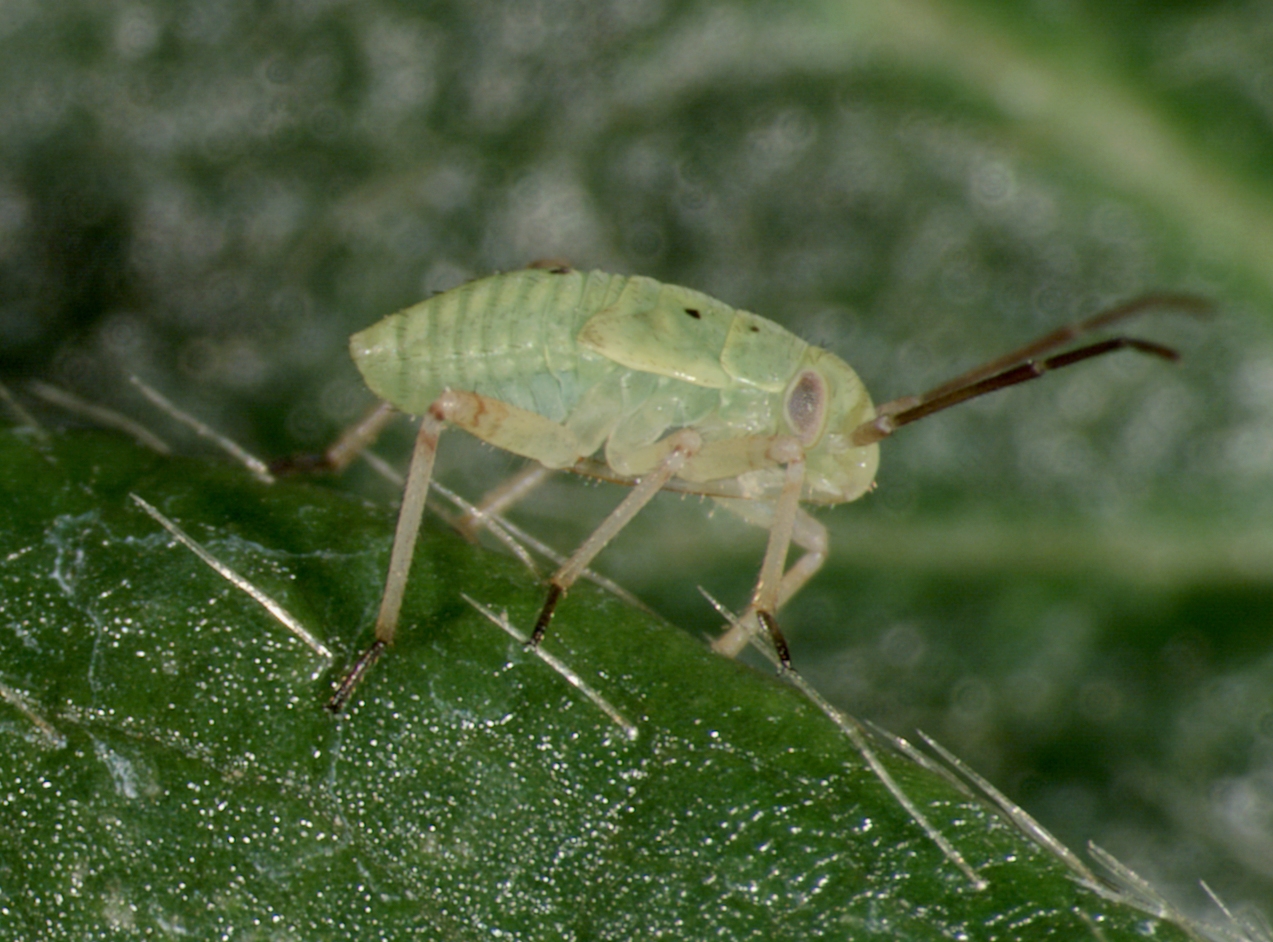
655	386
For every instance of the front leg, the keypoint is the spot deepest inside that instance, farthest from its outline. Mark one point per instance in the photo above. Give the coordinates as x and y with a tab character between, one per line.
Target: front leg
808	534
774	587
767	596
731	458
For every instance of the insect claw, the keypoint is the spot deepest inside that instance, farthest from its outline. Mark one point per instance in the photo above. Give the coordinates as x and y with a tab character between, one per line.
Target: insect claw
356	673
555	592
780	643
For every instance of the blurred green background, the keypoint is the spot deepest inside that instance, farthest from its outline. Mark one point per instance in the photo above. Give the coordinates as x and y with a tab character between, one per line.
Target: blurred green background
1069	584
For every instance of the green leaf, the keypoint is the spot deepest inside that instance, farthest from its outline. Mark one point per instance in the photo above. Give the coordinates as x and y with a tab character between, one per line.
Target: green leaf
1068	584
169	768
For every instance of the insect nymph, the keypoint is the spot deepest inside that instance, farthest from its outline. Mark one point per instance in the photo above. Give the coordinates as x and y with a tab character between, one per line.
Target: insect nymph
656	386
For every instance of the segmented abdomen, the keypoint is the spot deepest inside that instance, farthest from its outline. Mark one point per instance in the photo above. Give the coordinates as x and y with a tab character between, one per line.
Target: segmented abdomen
510	337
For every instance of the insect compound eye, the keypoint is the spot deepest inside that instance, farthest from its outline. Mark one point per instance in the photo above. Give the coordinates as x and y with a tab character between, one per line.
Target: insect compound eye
806	403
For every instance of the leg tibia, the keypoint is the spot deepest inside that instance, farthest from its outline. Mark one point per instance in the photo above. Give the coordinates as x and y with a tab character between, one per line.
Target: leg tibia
413	497
681	446
517	430
805	532
501	498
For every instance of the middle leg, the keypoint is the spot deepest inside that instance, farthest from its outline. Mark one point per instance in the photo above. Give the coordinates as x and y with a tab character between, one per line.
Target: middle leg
768	593
681	446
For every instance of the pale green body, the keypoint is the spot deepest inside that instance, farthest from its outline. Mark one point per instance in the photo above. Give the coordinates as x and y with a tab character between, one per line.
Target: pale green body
618	362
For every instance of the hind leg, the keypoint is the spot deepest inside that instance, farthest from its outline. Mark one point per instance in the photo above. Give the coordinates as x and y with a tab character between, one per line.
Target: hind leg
513	429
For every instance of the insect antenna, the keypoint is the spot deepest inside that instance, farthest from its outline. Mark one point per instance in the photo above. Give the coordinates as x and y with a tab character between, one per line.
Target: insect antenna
1063	335
1023	365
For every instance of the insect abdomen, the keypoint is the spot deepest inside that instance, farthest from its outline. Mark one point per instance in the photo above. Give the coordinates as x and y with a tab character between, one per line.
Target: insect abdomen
510	337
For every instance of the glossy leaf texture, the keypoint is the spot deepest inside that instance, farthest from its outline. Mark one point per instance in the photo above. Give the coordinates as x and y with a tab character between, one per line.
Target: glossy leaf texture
1067	583
169	770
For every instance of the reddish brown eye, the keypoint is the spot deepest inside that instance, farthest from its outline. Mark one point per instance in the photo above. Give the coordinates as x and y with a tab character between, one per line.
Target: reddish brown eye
805	404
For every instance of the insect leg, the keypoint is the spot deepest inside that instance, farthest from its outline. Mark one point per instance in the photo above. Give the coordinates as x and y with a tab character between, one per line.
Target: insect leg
767	596
681	445
413	498
501	498
524	433
355	439
352	442
808	533
811	536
